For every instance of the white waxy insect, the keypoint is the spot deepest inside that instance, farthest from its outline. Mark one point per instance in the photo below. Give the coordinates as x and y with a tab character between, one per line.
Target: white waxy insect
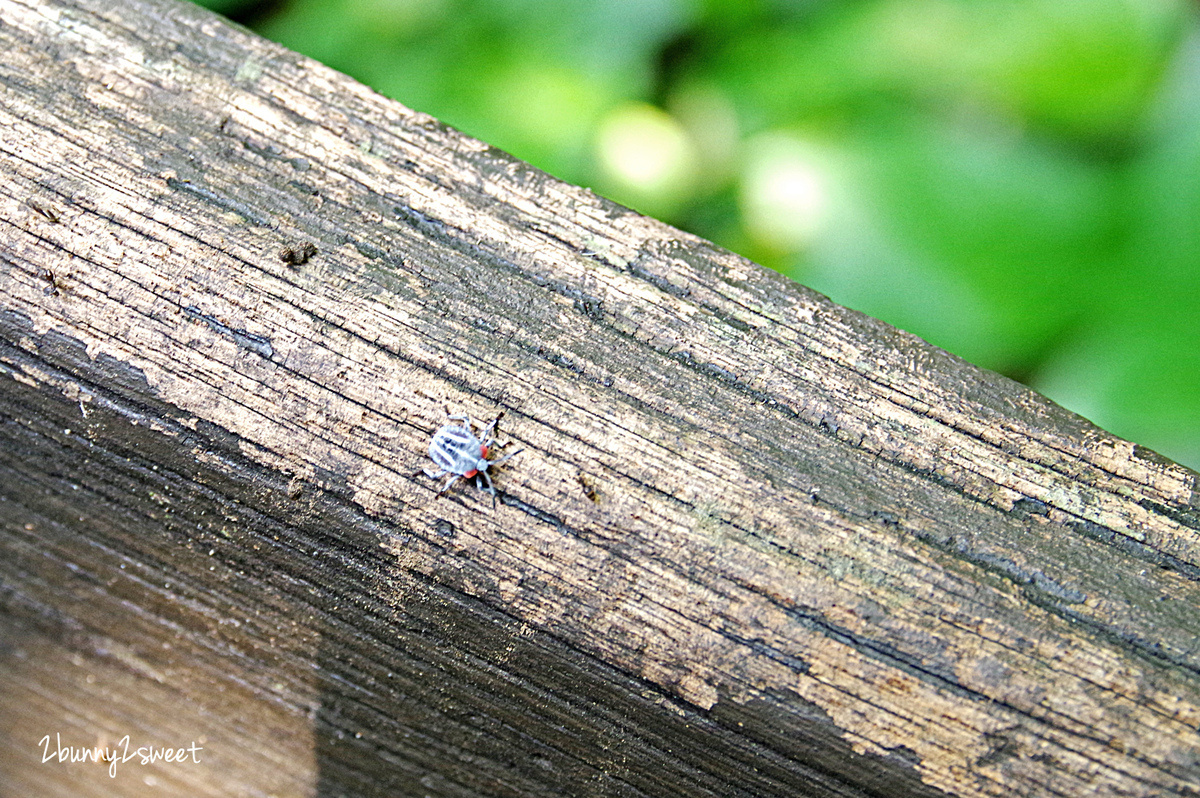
457	452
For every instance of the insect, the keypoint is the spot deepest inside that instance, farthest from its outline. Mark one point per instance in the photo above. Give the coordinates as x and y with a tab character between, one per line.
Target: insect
44	211
299	255
457	452
53	283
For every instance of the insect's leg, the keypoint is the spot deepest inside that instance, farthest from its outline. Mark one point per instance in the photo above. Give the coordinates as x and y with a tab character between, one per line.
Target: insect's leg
435	474
449	484
466	421
486	435
490	488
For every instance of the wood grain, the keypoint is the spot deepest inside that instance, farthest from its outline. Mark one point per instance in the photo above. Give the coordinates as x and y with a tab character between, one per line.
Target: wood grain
756	543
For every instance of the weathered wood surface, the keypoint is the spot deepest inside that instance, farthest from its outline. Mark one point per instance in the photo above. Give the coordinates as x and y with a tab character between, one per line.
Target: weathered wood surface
756	544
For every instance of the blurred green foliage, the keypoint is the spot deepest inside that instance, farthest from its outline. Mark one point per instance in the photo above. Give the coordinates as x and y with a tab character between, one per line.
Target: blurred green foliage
1017	181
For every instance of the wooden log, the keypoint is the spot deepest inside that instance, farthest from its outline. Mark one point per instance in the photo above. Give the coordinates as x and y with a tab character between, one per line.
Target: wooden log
755	543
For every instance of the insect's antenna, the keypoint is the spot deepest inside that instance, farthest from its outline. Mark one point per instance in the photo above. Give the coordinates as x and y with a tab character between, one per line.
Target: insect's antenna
500	460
